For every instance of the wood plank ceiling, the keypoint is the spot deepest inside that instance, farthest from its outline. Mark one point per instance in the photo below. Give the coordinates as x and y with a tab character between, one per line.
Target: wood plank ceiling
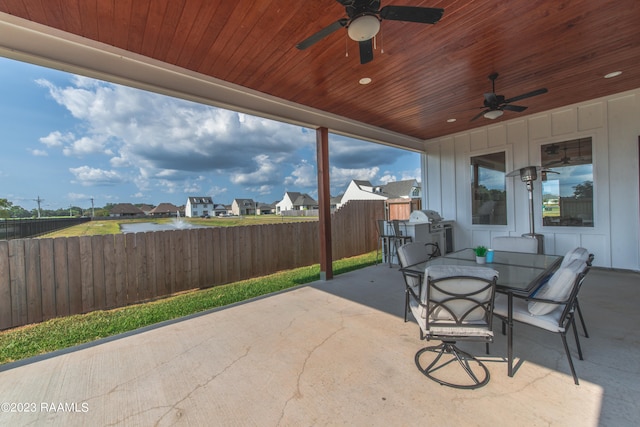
421	74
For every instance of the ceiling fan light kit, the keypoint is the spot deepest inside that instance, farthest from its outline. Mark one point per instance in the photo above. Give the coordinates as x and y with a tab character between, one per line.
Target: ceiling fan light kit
493	114
364	28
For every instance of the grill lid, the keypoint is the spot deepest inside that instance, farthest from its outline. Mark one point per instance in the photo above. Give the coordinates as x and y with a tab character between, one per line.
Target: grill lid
425	216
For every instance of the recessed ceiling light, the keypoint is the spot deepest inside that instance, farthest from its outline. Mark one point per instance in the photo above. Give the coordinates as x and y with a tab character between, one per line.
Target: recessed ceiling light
364	81
451	120
611	75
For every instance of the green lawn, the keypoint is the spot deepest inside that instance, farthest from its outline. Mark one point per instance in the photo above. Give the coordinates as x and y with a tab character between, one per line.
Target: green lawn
60	333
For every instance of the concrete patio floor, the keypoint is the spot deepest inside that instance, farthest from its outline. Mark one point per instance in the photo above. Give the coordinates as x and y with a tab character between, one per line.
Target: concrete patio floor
333	353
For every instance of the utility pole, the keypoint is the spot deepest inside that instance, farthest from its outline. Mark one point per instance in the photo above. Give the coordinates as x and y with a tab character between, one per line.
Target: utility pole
39	200
93	212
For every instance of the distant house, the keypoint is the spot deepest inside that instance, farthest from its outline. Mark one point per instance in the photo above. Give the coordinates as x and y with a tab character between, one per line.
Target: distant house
294	201
364	190
146	208
125	209
266	208
165	209
243	207
198	206
336	202
220	210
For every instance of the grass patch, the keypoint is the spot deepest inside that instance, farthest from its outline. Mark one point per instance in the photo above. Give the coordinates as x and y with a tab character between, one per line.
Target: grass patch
64	332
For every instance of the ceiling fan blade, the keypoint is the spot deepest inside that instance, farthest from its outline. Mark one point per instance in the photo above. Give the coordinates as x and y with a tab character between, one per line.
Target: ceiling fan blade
366	51
480	114
340	23
516	108
527	95
424	15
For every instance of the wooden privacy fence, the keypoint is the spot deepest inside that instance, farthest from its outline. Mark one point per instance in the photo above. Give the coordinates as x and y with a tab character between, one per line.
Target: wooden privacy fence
45	278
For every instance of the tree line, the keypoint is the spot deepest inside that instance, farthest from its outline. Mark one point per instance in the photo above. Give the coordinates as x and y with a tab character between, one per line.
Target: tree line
9	210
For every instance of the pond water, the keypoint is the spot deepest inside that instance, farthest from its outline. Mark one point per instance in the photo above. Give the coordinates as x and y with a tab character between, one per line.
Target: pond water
141	227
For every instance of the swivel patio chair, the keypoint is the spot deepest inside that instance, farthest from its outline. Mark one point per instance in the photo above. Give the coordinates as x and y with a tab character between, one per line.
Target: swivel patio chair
410	254
552	308
455	303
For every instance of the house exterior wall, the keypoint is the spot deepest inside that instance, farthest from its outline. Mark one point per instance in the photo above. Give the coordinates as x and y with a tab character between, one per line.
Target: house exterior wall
353	192
198	209
612	122
286	204
243	207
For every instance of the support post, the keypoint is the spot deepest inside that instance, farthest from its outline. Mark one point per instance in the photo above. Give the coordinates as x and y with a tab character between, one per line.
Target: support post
324	203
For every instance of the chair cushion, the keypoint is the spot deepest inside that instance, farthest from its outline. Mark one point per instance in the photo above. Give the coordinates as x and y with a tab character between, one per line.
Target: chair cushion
575	254
515	244
549	321
557	288
464	283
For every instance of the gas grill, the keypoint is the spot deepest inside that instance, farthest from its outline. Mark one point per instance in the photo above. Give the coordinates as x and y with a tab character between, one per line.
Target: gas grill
428	226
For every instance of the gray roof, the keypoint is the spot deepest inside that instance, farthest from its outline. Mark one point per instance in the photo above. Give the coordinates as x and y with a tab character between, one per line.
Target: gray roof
293	195
304	200
399	188
126	208
165	208
362	182
201	200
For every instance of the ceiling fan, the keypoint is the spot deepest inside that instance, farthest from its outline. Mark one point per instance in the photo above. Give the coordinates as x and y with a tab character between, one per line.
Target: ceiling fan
363	22
564	160
496	104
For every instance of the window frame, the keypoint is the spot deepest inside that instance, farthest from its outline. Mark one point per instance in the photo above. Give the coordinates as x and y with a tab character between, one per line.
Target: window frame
538	192
509	188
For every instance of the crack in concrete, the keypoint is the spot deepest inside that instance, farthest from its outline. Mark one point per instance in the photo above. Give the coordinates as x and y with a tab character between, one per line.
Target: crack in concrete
298	394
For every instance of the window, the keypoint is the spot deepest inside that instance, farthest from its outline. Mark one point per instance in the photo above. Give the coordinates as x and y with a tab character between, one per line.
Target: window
567	197
488	189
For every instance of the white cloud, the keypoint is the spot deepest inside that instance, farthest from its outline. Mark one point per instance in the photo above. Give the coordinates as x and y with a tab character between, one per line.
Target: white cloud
85	146
155	134
164	144
385	179
341	177
78	196
261	190
303	176
265	171
40	153
87	176
192	188
216	191
57	139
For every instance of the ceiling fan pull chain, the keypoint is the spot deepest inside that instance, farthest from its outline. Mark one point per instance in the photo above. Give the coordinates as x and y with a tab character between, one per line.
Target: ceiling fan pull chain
346	47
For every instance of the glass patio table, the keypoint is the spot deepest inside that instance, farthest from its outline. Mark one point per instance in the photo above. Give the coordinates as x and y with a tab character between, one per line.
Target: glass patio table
519	273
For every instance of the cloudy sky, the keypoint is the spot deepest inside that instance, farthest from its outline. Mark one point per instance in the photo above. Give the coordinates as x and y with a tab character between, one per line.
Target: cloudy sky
67	139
